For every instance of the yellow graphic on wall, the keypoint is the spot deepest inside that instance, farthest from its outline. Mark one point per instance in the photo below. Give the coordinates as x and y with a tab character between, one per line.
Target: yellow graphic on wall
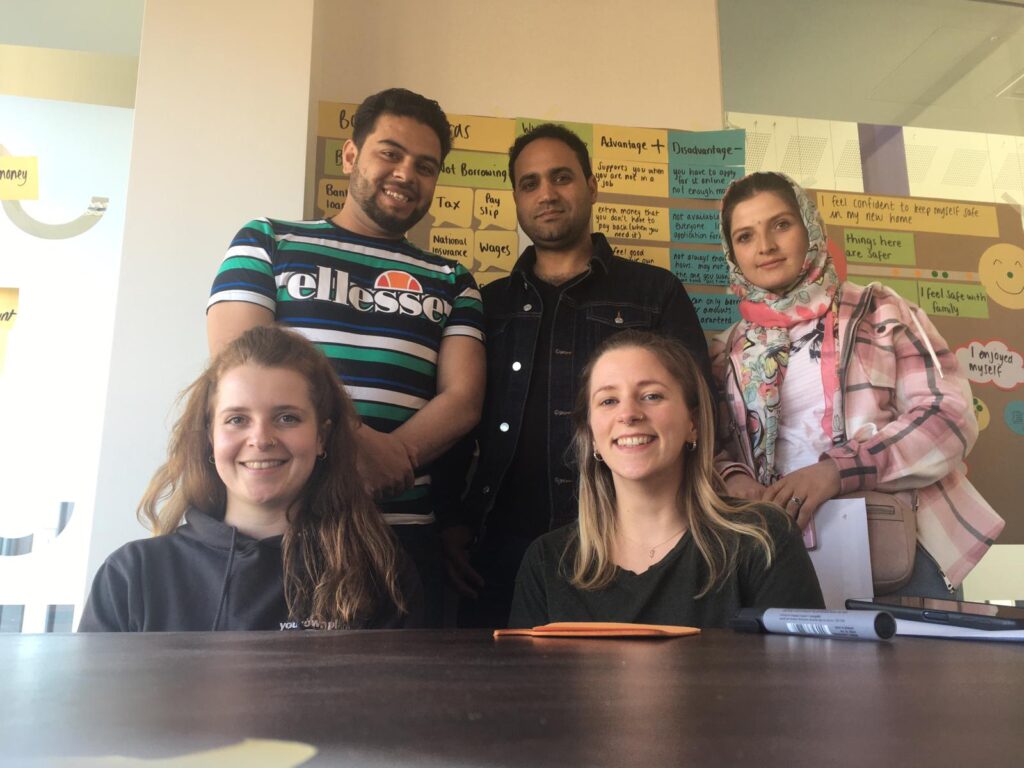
1001	270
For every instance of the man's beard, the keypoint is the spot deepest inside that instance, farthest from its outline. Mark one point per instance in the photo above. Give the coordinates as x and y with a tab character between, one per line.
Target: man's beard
364	192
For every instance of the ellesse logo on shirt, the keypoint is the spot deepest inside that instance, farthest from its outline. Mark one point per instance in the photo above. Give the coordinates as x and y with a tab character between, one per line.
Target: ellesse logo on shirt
393	292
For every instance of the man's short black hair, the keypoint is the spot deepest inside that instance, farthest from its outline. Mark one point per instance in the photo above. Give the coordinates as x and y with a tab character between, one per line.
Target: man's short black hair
401	103
549	131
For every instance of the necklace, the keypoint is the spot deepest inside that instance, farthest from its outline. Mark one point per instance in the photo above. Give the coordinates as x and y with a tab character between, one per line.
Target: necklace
651	550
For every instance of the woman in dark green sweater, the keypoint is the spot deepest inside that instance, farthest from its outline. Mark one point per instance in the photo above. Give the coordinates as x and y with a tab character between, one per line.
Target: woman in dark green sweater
655	541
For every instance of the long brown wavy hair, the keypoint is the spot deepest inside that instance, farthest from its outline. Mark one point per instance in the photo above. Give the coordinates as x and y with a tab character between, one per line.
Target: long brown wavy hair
339	556
712	520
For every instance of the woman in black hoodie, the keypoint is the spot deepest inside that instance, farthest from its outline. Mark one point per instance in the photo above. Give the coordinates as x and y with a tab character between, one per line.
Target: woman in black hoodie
279	532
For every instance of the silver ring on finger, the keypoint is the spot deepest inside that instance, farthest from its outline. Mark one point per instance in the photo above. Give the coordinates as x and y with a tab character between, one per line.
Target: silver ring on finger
797	501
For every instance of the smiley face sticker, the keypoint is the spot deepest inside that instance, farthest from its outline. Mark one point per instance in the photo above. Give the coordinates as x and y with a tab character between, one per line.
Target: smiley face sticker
1001	269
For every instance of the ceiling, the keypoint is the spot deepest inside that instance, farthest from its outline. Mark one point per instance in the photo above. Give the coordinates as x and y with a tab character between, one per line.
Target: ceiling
925	63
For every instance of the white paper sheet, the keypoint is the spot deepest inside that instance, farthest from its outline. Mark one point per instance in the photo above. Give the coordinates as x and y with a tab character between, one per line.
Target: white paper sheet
842	559
927	629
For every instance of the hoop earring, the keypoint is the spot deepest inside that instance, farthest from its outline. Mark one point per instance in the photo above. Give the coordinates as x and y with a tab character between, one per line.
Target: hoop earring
597	456
691	447
211	459
322	455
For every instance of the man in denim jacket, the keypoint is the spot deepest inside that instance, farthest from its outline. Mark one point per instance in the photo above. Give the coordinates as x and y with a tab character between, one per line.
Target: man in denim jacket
566	294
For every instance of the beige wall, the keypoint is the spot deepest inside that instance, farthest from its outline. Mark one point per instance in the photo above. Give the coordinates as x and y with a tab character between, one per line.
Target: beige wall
220	138
654	63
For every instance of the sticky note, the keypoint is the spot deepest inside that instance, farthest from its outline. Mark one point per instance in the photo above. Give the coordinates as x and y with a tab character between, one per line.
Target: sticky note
701	182
644	254
953	299
631	177
19	178
908	214
332	160
632	222
709	147
614	142
330	195
475	169
334	119
482	134
716	311
496	249
695	225
865	246
452	205
700	267
494	208
455	244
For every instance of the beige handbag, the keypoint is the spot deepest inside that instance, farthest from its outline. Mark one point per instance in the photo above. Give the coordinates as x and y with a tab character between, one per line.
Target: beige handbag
892	538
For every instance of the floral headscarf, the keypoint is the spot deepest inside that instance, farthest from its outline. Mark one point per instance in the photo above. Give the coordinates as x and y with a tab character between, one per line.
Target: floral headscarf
765	349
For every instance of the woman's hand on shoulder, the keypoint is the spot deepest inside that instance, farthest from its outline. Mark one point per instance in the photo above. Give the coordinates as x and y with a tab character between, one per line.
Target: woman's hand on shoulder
740	485
800	493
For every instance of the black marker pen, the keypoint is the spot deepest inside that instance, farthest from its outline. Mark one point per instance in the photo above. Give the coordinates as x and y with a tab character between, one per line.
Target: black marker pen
842	625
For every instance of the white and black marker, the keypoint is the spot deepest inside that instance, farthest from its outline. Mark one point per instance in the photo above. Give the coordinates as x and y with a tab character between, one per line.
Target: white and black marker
842	625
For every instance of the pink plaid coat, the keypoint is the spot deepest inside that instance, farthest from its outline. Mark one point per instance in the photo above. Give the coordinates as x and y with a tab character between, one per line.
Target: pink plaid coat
907	427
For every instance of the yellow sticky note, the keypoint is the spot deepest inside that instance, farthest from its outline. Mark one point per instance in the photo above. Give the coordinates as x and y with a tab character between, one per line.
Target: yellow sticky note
908	214
8	313
645	254
497	249
454	244
632	222
495	208
452	205
632	177
19	178
331	194
334	119
615	142
482	134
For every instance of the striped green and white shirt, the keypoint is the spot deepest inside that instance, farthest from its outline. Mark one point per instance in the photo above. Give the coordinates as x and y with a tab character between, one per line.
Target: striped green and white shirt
377	308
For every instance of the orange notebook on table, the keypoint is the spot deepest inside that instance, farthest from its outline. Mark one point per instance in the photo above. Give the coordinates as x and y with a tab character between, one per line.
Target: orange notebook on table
598	629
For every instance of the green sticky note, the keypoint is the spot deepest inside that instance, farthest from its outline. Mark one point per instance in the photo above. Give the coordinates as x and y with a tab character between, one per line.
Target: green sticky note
953	299
483	170
874	246
332	157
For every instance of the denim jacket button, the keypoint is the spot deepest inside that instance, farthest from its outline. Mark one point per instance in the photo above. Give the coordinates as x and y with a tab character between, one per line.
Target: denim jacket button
485	490
517	366
527	307
503	426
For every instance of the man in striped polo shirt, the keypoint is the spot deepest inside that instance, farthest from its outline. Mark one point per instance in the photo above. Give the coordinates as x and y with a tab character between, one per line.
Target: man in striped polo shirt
403	327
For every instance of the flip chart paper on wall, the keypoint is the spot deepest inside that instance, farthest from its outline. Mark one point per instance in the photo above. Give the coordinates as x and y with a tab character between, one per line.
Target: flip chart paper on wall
842	559
19	178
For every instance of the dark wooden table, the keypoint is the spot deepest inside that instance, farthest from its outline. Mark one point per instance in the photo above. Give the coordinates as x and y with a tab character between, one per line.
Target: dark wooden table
458	698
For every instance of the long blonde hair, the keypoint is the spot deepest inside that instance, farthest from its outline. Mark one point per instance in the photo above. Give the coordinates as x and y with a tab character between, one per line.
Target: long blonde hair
339	556
710	518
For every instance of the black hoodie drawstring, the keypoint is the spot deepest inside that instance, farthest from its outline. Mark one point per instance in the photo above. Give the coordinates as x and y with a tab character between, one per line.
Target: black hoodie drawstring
224	583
